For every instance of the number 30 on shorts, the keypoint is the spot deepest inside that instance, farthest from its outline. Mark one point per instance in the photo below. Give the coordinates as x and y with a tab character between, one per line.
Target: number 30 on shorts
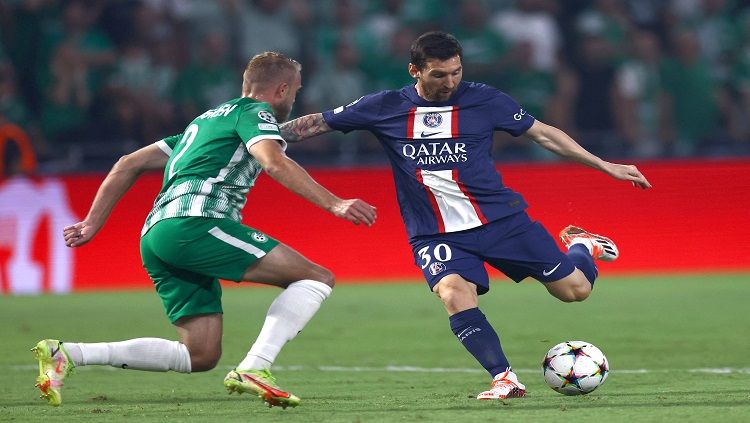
441	252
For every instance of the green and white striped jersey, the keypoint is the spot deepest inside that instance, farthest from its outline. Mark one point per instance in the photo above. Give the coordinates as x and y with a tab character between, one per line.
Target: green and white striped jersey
209	171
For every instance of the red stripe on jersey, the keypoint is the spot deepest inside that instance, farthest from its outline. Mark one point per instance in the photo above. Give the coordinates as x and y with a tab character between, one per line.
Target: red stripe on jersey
454	122
468	195
433	203
410	124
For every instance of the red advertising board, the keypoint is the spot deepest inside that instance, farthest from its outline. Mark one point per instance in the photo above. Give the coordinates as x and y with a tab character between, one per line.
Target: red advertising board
695	219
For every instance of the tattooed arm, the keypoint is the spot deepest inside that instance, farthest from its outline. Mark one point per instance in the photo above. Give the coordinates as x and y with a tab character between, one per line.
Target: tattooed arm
304	127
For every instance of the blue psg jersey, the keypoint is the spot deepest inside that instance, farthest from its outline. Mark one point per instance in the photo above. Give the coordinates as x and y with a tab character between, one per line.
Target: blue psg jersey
440	153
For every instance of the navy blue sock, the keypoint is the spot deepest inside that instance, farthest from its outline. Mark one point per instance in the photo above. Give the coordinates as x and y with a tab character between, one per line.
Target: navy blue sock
581	257
480	339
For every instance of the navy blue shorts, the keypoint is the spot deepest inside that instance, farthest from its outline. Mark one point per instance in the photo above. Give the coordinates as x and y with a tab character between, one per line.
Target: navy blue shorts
514	245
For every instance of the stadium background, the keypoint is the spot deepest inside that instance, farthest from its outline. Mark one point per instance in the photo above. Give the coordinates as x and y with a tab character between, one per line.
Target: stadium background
664	84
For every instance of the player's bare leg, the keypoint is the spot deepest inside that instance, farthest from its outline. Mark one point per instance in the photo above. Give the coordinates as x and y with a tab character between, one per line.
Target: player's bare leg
283	266
202	337
306	285
456	293
574	287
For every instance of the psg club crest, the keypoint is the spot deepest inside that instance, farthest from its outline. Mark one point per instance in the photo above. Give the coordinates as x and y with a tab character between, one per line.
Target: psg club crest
432	119
436	268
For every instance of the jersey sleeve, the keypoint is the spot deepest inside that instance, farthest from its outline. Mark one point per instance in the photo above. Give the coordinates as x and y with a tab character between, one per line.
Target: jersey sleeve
167	144
258	123
359	114
509	116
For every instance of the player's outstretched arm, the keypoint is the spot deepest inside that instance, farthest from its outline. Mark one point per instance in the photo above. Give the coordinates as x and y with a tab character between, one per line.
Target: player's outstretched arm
304	127
288	173
122	176
558	142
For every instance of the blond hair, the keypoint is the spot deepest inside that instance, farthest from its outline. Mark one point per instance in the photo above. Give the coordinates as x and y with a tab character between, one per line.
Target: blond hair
268	68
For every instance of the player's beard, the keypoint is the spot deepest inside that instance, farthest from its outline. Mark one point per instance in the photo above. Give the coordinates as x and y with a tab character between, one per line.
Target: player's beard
437	94
440	96
445	96
282	112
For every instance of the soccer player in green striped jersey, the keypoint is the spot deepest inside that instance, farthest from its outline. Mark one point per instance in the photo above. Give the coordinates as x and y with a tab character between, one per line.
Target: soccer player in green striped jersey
193	237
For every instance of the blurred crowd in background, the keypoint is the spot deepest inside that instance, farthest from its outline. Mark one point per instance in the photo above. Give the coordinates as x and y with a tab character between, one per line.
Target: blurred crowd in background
85	81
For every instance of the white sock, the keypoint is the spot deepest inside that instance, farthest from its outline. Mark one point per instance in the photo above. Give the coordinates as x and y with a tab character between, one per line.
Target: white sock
286	317
153	354
585	242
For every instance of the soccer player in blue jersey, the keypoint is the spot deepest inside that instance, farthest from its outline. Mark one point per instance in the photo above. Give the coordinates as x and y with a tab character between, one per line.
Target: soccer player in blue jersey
437	135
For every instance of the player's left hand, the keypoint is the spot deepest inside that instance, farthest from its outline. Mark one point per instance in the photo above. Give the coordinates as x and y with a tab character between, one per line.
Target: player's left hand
628	173
355	211
78	234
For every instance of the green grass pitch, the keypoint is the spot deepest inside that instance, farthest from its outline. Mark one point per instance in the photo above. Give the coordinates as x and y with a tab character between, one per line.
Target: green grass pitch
678	346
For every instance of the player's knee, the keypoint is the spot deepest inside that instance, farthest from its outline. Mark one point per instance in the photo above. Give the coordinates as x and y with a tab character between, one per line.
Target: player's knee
582	291
575	294
317	273
204	361
325	276
456	295
569	298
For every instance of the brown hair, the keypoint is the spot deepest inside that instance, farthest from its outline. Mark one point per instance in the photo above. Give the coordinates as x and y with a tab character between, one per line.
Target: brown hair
267	68
434	45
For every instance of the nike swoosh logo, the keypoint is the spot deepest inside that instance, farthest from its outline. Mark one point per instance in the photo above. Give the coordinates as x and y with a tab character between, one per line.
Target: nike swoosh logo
273	391
428	134
547	273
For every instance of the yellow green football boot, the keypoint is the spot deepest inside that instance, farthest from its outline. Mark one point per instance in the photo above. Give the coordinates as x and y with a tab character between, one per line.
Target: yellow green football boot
261	383
54	366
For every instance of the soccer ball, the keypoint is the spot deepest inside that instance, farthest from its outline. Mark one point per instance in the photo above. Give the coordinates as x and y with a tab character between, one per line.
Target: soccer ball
575	368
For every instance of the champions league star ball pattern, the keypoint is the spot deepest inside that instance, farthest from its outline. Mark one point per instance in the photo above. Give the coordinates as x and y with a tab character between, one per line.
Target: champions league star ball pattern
575	368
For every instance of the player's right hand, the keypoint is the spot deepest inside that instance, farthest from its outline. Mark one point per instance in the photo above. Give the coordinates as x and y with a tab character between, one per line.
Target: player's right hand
628	173
78	234
355	211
